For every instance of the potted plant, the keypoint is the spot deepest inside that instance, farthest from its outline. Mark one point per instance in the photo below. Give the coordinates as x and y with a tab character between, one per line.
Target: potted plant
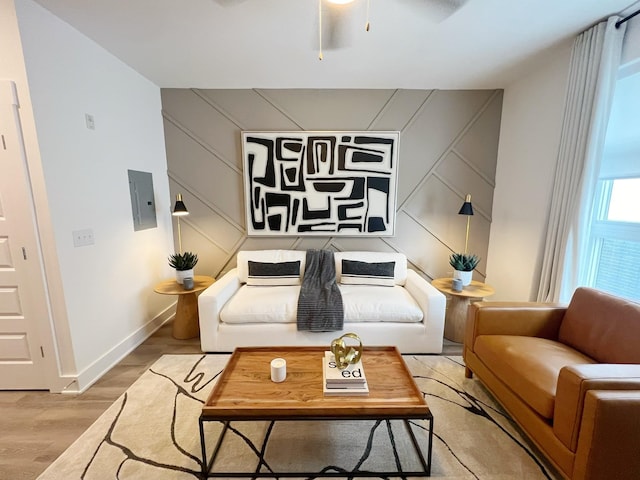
183	263
463	265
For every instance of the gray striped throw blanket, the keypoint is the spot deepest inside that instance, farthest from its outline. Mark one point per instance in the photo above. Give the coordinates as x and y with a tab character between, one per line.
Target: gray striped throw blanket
320	303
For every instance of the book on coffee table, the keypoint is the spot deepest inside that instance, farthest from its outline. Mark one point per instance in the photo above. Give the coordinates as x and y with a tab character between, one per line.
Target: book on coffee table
347	381
352	374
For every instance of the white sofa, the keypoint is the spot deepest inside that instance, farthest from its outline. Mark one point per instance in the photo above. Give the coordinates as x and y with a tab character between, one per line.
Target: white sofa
409	314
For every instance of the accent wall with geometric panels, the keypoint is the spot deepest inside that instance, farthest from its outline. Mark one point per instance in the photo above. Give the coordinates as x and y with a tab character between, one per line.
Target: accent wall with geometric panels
301	183
447	148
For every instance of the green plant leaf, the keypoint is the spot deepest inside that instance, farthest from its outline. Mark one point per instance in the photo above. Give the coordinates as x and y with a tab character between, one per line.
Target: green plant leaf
183	261
463	262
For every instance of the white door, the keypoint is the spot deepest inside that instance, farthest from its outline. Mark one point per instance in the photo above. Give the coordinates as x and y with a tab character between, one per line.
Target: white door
21	292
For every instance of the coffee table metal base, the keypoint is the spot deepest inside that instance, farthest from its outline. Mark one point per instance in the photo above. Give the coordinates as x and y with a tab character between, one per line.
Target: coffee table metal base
207	464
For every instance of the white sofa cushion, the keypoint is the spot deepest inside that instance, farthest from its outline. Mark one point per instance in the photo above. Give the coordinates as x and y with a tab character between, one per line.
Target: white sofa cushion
374	303
362	303
273	256
268	256
400	259
254	304
274	273
367	273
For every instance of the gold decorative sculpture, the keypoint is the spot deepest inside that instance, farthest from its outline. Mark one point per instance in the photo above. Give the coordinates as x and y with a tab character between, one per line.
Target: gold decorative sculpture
346	354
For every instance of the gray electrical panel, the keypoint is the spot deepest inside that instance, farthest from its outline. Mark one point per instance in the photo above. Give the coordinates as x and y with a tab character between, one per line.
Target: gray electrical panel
142	201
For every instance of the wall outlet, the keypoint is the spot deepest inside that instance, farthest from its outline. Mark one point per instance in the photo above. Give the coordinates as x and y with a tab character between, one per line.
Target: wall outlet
82	238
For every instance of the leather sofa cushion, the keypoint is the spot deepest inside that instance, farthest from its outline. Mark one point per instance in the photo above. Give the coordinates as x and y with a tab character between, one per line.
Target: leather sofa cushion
528	365
602	326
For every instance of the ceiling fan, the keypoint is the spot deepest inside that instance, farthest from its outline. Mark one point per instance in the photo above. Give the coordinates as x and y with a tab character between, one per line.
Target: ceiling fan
332	21
335	24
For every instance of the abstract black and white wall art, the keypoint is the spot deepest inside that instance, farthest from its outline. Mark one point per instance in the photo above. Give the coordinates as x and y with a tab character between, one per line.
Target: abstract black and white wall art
320	183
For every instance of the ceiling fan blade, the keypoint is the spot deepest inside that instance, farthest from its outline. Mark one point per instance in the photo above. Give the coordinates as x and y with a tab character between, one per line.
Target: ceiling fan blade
337	28
438	10
228	3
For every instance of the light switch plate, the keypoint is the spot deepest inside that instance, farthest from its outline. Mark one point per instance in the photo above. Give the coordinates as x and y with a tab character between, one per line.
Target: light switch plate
82	238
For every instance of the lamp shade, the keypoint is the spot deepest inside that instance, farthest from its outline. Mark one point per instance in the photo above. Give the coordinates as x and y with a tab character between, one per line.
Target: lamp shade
467	208
180	208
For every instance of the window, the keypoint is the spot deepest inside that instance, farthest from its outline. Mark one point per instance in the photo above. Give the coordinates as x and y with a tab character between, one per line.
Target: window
615	238
613	262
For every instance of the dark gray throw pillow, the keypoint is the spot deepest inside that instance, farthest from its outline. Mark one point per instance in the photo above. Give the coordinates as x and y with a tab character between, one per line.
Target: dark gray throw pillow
367	273
269	273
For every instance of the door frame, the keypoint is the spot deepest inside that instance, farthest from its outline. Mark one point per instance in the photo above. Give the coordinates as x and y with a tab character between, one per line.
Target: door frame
60	371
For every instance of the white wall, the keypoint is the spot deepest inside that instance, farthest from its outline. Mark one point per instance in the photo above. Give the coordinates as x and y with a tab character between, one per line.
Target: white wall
533	107
108	286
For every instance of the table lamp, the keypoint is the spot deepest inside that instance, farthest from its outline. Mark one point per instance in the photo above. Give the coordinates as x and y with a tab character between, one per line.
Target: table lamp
466	209
179	210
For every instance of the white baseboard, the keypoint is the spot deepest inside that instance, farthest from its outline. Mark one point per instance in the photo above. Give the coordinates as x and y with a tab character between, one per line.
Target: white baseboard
106	362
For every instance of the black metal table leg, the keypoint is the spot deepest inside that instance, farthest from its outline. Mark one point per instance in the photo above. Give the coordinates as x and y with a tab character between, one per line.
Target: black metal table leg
207	465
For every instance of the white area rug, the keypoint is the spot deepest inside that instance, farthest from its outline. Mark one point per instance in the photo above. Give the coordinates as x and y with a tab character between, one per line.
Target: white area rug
151	432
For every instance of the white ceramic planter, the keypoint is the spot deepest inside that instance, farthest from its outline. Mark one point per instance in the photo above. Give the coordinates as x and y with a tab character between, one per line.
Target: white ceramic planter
182	274
464	276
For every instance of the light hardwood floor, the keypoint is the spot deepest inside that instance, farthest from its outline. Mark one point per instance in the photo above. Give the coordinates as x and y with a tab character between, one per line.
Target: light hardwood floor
36	427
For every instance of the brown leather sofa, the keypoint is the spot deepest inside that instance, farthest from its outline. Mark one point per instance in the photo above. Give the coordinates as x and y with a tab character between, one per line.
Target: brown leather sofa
568	375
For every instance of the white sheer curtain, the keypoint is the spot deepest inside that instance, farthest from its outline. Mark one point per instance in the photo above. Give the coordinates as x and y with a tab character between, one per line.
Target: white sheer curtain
592	76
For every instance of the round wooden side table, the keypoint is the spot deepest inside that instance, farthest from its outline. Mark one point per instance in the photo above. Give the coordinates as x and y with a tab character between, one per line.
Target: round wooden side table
456	316
185	323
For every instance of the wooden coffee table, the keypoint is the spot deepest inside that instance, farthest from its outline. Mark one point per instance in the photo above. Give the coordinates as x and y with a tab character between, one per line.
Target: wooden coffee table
245	392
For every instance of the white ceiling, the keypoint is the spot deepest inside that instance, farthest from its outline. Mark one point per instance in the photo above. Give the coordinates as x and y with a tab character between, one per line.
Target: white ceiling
274	43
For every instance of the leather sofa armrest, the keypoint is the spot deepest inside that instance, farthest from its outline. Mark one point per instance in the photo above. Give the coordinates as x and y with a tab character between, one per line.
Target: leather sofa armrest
529	319
512	318
609	436
210	303
574	382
